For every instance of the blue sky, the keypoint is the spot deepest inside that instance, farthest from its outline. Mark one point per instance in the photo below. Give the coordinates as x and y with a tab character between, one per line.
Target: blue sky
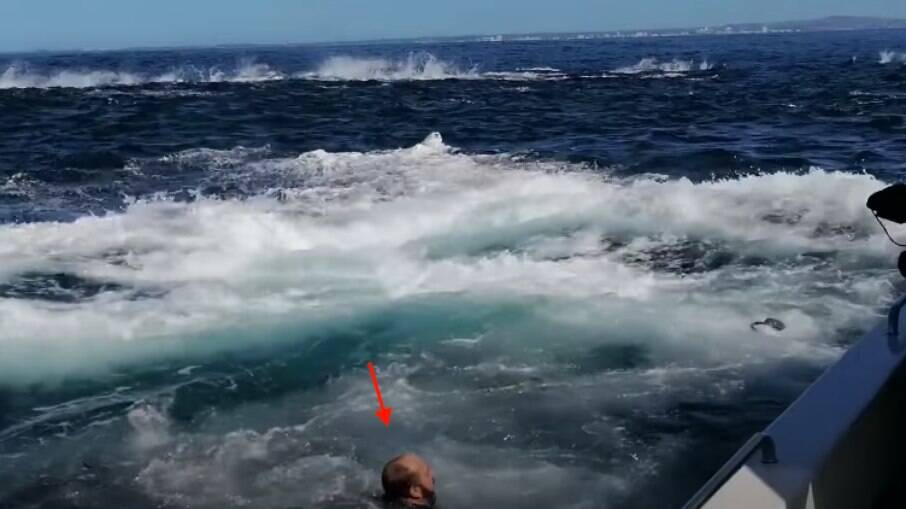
98	24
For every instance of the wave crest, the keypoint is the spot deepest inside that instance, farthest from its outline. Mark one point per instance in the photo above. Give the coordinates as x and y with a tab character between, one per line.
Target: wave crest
420	66
332	236
18	76
21	76
417	66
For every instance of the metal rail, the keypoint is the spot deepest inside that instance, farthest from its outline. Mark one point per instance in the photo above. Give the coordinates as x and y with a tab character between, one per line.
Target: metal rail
759	441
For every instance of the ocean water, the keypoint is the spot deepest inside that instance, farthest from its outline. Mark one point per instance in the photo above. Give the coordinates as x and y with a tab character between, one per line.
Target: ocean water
552	251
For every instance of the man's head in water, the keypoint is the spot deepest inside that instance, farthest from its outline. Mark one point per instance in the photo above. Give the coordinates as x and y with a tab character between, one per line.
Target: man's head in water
409	480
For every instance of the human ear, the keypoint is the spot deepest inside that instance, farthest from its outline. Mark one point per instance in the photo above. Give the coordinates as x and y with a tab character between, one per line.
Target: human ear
415	492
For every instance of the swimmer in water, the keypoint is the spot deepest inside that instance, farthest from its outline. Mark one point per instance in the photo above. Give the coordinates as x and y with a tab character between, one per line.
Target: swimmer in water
408	482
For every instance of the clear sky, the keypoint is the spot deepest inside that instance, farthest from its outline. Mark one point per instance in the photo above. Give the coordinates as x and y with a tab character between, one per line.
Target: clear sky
101	24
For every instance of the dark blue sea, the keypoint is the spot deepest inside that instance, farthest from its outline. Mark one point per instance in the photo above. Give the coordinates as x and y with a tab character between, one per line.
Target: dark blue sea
553	252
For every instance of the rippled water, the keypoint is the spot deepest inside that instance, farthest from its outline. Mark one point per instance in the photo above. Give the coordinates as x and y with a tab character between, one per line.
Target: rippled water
553	252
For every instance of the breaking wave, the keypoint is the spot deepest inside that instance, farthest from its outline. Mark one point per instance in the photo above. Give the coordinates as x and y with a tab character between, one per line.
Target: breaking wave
22	76
425	66
417	66
420	66
348	235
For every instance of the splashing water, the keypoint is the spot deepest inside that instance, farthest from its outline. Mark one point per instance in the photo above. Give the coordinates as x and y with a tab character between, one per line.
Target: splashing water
479	231
20	76
891	57
417	66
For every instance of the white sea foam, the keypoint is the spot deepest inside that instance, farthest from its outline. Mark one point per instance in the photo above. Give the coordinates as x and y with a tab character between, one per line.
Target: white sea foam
150	425
419	66
891	57
358	233
15	76
22	76
415	67
327	453
674	67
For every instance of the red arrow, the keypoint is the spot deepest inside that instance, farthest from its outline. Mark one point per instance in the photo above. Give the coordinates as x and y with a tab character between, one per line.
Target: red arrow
382	413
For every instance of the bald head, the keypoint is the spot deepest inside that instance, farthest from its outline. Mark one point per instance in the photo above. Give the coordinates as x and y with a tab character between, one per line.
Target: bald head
410	480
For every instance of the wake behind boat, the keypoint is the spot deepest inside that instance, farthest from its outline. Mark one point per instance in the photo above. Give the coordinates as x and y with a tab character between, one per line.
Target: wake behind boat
839	444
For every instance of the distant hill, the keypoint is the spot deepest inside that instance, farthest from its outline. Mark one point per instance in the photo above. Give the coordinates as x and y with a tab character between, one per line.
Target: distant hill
817	25
830	23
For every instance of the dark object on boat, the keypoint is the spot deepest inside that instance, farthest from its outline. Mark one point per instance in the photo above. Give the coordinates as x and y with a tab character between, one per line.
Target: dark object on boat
773	323
889	204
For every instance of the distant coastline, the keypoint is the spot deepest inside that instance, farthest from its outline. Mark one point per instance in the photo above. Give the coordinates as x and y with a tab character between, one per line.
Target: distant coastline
826	24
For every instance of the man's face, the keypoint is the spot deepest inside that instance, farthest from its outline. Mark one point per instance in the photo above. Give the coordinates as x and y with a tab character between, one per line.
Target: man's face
426	482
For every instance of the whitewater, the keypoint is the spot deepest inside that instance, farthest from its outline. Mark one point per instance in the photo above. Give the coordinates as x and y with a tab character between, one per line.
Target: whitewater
367	230
416	66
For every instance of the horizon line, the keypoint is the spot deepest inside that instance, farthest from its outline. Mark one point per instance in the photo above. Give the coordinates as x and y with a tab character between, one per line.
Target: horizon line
690	31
